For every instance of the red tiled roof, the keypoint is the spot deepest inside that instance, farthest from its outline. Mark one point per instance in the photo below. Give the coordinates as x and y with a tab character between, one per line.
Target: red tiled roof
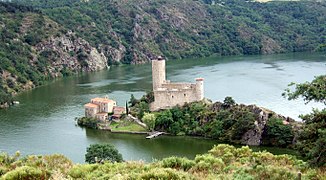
102	100
102	114
91	105
119	108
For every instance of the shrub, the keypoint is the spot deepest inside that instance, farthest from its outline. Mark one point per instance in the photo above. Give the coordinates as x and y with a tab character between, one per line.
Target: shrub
24	172
160	173
208	162
80	171
103	152
87	122
178	163
277	134
149	120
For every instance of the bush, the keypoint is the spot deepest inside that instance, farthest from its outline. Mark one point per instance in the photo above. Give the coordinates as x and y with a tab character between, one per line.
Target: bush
88	122
24	172
149	120
208	162
160	173
178	163
277	134
102	152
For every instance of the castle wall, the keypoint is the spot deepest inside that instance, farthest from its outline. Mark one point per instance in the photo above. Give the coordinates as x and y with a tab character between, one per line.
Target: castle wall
178	85
165	99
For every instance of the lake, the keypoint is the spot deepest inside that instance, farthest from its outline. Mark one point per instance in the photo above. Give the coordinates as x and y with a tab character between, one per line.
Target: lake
43	122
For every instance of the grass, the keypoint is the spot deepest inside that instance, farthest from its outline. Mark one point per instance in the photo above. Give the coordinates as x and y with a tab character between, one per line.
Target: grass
126	126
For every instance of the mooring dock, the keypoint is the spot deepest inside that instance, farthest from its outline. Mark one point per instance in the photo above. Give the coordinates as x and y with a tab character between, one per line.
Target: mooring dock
155	134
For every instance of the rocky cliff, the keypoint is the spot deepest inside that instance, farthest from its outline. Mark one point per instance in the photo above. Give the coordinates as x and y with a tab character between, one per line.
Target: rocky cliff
34	49
255	135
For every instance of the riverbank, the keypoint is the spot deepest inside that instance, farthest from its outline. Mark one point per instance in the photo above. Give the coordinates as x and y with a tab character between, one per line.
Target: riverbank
224	121
123	125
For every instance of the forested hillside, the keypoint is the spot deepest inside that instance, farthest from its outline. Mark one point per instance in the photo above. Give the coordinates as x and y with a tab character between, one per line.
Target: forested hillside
34	49
41	40
132	31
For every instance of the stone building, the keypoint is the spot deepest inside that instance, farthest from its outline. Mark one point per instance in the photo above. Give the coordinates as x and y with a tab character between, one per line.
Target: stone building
168	94
99	108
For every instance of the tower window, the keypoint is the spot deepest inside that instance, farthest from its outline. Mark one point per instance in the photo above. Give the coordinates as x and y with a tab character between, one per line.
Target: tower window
184	95
172	96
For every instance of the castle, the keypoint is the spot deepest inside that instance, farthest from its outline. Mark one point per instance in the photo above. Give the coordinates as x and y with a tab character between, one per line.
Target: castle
168	94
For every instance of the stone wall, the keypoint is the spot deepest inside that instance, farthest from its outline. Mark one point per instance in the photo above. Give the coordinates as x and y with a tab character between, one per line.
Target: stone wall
165	98
178	86
91	111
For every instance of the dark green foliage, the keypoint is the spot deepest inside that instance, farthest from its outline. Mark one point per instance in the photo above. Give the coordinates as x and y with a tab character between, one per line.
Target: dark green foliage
276	133
310	91
199	119
101	153
139	107
127	108
27	68
133	101
228	101
88	122
4	97
232	27
312	139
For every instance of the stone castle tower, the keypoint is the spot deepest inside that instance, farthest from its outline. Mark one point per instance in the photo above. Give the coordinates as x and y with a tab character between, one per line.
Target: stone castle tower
168	94
158	72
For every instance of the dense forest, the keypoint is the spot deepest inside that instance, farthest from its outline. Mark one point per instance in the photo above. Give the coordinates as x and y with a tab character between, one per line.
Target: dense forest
105	32
135	31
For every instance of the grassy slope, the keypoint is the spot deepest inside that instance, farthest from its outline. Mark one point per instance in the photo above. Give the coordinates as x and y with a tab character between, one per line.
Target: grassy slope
127	126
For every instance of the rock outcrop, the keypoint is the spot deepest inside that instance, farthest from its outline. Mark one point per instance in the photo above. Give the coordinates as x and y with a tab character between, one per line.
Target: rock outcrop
73	53
254	136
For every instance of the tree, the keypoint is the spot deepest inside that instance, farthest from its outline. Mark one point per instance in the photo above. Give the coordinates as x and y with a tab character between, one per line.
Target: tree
102	152
149	120
312	140
310	91
228	102
133	101
277	133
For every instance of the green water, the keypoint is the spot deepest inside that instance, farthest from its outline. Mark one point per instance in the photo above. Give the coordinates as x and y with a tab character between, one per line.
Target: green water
44	123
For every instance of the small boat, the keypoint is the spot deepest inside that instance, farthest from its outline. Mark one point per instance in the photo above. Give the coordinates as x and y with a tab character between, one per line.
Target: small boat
15	102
